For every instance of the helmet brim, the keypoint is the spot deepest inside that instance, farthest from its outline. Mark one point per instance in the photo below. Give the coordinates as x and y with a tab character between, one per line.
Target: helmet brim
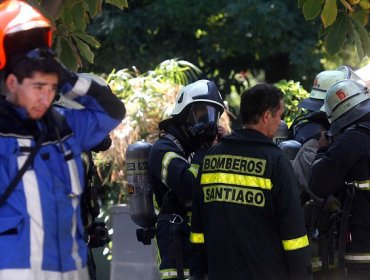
350	117
311	104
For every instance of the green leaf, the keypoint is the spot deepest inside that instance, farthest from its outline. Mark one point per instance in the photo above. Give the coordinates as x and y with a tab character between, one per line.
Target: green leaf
67	17
79	18
361	16
364	36
118	3
95	7
336	36
68	55
329	12
92	41
358	43
311	9
301	3
323	31
84	49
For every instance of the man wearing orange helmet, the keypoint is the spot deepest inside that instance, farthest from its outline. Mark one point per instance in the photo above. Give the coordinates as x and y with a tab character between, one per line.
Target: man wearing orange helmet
41	169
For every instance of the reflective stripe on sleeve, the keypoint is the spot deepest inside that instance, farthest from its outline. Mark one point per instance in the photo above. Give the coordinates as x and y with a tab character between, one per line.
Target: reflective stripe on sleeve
196	238
194	169
362	185
166	162
296	243
357	257
172	273
236	179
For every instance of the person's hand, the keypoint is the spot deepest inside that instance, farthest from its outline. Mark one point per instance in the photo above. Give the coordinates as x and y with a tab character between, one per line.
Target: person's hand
221	132
324	140
67	78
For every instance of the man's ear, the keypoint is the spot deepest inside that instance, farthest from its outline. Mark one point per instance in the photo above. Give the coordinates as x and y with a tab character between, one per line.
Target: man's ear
265	116
11	82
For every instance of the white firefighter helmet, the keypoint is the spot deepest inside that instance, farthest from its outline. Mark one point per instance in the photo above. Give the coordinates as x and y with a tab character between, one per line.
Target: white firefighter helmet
340	101
199	91
282	133
199	106
322	82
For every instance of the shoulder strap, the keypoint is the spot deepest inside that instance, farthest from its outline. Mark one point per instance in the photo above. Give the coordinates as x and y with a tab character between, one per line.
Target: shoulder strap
21	172
359	127
174	140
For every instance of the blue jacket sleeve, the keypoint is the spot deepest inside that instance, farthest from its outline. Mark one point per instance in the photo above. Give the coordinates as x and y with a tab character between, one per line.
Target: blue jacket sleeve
102	112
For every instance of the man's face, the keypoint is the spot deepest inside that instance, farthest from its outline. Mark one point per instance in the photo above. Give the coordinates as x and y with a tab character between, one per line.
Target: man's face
34	94
275	120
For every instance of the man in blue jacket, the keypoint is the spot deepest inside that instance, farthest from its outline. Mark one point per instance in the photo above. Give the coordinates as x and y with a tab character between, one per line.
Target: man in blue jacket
41	171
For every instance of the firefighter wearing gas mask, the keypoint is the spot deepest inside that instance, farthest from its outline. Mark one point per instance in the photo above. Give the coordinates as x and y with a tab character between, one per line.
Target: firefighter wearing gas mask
173	167
341	169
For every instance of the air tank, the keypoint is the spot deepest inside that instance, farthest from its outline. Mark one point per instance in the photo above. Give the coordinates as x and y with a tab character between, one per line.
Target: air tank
140	195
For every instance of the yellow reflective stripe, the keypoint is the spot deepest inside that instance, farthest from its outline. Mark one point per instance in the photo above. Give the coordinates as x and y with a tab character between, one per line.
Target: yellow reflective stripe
196	238
236	179
172	273
362	185
357	257
156	207
166	162
296	243
194	169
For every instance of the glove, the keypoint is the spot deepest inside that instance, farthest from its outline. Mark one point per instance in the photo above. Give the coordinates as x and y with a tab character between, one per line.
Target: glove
103	145
98	234
67	79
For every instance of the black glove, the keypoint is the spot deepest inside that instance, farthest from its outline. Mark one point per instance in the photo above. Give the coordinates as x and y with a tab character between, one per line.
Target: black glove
67	79
98	234
103	145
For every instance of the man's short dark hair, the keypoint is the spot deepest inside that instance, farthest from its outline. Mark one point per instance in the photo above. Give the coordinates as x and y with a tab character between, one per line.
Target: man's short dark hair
23	67
257	100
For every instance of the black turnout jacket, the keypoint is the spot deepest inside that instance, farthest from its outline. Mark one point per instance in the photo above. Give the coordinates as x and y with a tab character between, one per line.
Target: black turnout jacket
247	220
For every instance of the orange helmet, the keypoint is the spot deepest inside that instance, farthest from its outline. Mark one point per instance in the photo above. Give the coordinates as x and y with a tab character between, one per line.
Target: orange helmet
20	18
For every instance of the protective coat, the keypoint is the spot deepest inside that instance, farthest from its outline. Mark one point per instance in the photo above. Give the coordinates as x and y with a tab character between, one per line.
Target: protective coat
173	170
247	217
41	231
348	161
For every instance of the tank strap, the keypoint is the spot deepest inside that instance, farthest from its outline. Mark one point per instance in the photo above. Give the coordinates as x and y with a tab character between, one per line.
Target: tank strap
174	140
359	127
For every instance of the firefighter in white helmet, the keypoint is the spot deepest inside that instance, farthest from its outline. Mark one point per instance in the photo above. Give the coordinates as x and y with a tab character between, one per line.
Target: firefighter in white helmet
307	128
341	168
312	121
173	165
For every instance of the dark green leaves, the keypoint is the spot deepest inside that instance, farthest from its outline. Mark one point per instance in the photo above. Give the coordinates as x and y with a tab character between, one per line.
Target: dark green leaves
336	36
311	9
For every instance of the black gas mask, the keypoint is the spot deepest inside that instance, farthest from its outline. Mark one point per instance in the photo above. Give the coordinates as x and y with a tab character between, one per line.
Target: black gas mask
202	121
